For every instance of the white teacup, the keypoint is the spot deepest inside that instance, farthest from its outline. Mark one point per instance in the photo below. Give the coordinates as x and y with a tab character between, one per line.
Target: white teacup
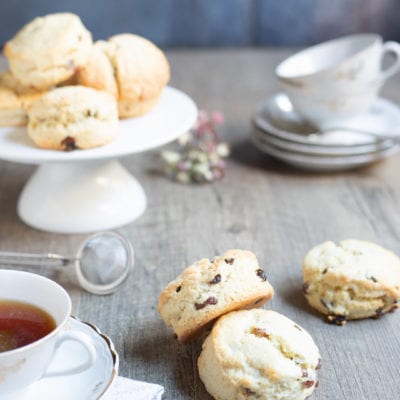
25	365
335	80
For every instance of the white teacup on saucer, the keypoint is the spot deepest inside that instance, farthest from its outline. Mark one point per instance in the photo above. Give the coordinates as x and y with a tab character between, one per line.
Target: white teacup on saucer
335	80
23	366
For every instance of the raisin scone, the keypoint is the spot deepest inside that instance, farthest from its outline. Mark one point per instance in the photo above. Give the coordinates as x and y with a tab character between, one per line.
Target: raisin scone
98	72
130	67
12	112
210	288
48	50
351	280
73	117
258	354
9	81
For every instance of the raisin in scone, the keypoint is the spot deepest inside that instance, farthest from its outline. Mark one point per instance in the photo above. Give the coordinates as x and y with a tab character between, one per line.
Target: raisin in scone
73	117
258	354
210	288
48	50
351	280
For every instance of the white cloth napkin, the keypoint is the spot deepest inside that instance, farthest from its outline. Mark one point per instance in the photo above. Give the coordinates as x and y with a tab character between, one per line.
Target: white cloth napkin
128	389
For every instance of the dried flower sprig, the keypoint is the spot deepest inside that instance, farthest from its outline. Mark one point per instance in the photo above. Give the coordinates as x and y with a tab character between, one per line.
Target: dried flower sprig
200	153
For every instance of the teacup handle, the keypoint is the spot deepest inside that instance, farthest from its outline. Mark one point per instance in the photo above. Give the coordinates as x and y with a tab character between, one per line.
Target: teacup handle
394	48
86	342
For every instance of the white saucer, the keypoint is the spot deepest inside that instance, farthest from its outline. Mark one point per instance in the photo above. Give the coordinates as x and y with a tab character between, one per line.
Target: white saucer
282	133
301	148
277	117
323	163
88	385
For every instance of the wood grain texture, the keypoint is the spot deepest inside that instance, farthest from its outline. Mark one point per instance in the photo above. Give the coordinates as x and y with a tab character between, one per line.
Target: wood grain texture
261	205
216	22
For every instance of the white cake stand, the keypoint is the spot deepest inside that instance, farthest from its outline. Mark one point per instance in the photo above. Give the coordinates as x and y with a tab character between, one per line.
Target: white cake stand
89	190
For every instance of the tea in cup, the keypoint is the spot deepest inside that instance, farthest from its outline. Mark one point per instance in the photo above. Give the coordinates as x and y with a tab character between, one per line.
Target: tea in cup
34	312
335	80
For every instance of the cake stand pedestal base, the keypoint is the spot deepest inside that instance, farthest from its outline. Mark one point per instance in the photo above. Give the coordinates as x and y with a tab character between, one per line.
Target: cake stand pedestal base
81	197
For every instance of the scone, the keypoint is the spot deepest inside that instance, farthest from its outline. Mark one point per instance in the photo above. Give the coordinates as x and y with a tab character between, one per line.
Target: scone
73	117
47	50
351	280
9	81
12	112
258	354
210	288
142	72
98	72
131	66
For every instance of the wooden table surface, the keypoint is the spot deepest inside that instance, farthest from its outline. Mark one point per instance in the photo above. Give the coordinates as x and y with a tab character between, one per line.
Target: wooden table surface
261	205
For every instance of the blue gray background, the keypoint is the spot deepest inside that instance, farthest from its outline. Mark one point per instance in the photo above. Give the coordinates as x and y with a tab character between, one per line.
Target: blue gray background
175	23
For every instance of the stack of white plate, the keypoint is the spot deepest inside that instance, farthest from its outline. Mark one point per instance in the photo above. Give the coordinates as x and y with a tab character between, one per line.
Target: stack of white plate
280	132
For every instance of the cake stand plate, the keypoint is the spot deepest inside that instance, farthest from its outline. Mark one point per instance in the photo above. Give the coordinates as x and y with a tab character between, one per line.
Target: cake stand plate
89	190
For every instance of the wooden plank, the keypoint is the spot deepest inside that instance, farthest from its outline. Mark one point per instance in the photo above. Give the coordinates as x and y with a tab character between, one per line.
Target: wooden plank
261	205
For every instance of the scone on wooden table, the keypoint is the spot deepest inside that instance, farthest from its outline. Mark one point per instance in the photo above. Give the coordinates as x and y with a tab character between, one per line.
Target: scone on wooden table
258	354
131	66
73	117
210	288
351	280
12	112
48	50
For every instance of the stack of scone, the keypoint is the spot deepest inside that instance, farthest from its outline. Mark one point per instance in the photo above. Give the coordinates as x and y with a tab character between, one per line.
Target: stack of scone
71	92
250	353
